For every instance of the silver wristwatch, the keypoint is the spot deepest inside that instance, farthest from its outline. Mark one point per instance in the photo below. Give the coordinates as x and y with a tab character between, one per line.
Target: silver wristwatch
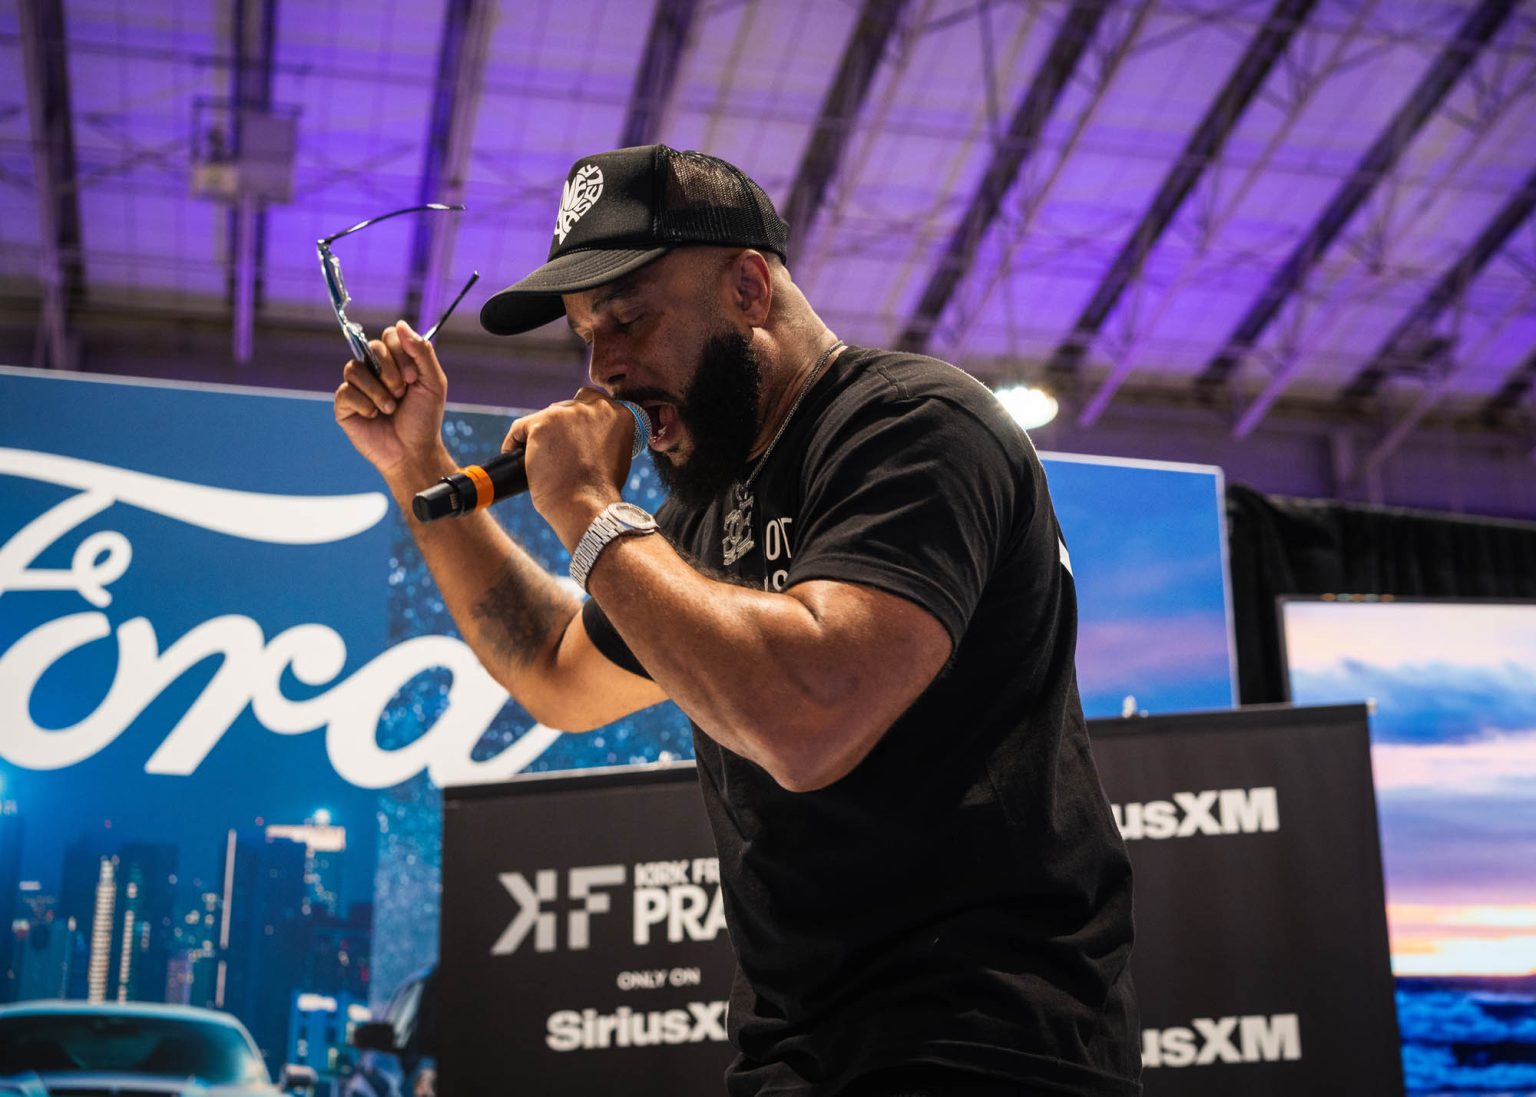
616	520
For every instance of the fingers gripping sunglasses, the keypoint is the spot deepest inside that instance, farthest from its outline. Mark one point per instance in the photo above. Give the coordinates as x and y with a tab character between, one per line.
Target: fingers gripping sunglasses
340	299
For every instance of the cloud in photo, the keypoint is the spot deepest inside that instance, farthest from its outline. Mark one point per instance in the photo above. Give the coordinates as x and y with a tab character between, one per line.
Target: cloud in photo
1453	955
1319	635
1153	647
1427	702
1457	848
1448	939
1501	762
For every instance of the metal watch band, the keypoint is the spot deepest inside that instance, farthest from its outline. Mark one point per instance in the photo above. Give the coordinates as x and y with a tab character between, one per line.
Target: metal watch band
615	520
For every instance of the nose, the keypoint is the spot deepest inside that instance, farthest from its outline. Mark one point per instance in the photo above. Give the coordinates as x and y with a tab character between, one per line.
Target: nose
605	369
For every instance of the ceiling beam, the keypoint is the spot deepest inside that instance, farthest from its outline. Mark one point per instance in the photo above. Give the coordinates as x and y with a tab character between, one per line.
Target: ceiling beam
840	112
253	35
1441	386
1513	390
43	49
981	282
1072	39
1377	163
1203	147
840	227
1298	355
1306	78
445	162
657	75
1401	346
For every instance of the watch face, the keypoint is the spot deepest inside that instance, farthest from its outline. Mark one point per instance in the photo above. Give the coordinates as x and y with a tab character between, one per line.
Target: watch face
632	516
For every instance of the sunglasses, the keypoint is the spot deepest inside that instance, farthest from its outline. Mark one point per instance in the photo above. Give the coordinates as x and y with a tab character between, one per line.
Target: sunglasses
340	299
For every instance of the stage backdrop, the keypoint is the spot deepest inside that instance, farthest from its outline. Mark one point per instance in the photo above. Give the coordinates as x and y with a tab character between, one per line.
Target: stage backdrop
229	693
588	909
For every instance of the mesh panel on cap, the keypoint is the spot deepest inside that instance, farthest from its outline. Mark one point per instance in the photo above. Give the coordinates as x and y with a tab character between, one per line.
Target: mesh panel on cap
708	199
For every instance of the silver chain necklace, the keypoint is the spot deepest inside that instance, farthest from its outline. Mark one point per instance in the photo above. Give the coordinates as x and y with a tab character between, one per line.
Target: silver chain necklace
736	530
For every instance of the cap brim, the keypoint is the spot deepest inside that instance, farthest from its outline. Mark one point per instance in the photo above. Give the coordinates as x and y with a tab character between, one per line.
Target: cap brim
535	300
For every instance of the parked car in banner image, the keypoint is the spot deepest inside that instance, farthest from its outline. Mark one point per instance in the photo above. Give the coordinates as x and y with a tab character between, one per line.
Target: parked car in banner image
134	1048
400	1051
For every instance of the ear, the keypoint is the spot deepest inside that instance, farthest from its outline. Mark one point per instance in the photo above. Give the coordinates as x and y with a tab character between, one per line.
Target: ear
749	283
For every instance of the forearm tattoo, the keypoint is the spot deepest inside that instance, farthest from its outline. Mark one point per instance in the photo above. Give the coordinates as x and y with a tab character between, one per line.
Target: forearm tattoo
519	612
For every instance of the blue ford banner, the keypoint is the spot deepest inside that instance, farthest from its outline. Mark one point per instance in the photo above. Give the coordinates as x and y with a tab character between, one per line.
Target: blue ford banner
230	694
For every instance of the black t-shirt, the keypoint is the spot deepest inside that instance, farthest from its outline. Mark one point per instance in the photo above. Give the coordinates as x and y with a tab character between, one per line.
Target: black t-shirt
962	897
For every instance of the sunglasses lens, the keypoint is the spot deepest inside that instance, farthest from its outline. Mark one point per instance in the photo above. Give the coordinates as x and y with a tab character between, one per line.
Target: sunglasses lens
360	348
334	283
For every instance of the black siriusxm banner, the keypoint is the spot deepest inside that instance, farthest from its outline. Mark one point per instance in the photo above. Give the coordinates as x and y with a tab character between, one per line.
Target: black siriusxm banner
584	948
1261	943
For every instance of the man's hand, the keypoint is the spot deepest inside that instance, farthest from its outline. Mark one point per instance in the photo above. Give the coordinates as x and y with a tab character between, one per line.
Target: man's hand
577	453
524	626
395	420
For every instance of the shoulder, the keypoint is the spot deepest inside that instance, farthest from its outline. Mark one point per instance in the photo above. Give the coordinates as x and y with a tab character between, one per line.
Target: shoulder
894	389
904	376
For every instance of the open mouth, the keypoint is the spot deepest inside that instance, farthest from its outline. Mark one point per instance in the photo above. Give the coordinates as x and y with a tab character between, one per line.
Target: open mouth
663	424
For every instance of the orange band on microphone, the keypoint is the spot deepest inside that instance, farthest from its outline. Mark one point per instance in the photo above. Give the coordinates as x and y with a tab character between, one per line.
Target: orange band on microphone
485	491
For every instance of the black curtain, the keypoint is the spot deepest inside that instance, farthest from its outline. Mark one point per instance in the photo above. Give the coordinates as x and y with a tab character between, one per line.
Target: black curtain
1302	546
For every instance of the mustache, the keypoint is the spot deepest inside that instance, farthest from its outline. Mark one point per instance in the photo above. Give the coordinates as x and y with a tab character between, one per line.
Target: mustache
643	395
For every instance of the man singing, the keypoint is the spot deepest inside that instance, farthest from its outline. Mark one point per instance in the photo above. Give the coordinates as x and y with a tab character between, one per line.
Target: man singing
858	593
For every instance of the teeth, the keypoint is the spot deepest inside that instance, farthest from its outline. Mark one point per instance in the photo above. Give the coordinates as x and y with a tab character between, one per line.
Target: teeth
661	421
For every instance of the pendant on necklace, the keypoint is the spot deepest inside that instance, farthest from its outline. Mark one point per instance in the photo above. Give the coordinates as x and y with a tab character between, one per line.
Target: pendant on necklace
736	531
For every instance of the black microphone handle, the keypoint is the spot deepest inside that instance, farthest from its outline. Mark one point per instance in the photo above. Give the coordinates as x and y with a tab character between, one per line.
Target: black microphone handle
477	486
460	493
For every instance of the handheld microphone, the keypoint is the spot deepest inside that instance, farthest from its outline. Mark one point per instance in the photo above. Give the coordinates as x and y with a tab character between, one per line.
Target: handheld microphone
476	486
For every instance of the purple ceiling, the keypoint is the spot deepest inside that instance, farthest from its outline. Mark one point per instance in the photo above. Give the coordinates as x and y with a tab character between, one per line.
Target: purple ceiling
1251	200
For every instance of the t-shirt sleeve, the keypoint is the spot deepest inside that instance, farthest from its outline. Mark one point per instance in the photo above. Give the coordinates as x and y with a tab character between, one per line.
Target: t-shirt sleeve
600	629
607	640
916	497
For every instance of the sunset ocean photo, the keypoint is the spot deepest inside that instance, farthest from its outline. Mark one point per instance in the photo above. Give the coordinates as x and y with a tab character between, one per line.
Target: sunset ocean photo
1454	753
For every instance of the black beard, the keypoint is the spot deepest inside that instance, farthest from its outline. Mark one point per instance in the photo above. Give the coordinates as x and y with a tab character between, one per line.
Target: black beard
719	408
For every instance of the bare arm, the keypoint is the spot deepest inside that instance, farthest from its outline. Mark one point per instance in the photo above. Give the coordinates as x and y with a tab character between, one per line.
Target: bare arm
803	682
523	625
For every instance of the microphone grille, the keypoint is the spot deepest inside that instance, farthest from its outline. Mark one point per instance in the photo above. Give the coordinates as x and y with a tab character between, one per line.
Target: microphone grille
642	428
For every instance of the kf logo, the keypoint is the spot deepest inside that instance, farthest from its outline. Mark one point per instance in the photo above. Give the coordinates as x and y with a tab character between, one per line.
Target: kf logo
532	898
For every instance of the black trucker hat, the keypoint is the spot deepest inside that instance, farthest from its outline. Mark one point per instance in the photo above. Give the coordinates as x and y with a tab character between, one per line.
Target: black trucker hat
622	209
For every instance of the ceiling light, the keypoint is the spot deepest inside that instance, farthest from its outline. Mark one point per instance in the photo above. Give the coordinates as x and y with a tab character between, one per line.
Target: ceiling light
1030	407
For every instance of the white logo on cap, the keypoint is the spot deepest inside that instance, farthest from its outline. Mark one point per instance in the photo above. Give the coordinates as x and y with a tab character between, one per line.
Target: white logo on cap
582	191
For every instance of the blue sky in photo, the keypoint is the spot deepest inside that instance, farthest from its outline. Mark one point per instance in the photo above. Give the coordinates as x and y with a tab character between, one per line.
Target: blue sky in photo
1149	561
1430	702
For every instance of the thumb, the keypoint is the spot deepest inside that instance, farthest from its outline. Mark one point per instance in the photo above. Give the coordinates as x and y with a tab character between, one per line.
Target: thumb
423	356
